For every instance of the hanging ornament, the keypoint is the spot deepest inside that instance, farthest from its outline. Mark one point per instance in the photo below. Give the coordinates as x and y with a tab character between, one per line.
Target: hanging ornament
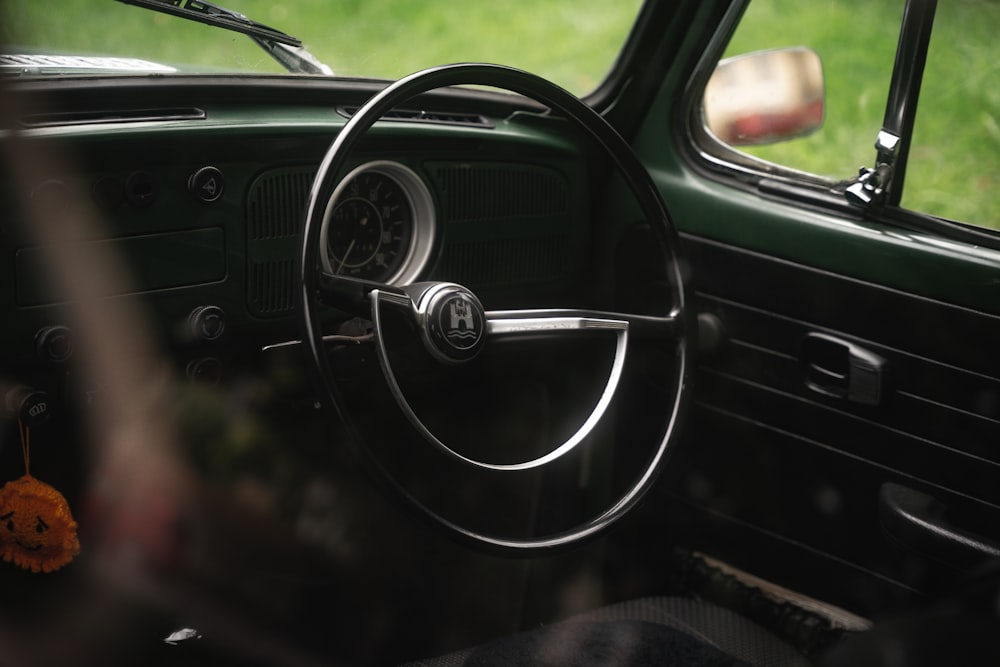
37	530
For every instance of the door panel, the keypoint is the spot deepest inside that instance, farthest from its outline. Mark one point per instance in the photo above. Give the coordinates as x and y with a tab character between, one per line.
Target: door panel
767	452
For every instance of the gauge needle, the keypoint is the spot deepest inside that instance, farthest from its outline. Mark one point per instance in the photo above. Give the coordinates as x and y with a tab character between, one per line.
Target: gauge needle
346	255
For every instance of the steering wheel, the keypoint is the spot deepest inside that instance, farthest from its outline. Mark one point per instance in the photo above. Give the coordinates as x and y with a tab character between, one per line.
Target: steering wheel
454	327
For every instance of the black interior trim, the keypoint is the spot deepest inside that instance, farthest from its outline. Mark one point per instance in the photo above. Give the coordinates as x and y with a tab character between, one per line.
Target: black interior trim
113	116
826	299
791	464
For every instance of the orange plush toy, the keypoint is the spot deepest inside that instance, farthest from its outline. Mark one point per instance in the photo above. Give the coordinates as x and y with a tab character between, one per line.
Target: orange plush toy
37	530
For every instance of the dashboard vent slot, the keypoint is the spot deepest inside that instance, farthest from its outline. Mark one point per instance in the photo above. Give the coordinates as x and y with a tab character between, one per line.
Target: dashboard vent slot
506	262
271	287
507	224
276	205
475	192
112	116
416	116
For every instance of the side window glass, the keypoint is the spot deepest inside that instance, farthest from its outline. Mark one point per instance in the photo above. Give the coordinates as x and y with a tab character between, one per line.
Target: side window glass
953	170
856	44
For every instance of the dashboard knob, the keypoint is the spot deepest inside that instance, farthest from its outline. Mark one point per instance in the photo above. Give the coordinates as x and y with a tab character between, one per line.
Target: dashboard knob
207	322
140	189
32	407
207	184
54	344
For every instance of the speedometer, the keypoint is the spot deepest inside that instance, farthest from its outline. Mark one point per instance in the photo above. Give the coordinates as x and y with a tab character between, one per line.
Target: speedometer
379	224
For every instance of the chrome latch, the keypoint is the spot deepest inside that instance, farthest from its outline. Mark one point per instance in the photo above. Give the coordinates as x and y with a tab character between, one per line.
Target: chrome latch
869	188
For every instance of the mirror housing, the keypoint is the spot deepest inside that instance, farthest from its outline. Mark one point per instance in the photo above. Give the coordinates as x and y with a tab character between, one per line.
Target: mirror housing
765	97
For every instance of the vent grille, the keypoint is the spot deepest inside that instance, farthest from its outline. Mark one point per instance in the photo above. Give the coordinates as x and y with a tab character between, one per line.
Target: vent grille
484	192
276	208
506	224
271	287
277	204
416	116
506	262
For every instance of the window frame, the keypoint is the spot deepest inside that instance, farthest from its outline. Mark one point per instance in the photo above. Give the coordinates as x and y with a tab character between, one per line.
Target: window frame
725	163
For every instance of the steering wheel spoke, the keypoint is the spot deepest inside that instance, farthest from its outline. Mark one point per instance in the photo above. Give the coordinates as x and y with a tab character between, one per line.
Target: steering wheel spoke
541	321
351	295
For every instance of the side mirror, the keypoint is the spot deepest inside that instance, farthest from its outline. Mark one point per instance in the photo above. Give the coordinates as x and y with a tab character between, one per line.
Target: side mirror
765	97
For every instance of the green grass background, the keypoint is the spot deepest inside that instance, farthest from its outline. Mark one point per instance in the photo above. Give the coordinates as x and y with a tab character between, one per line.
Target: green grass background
954	166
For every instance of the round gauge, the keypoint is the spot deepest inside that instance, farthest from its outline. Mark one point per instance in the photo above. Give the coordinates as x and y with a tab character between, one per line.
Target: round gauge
378	225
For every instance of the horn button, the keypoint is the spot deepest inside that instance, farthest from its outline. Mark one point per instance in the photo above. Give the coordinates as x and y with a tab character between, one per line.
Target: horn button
452	323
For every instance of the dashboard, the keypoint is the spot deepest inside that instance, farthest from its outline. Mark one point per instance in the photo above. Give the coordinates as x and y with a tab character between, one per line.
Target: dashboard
199	189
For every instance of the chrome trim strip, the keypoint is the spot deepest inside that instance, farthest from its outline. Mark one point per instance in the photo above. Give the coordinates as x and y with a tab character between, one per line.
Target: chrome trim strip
502	327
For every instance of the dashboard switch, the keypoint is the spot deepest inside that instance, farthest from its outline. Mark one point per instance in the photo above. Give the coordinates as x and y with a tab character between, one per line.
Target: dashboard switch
207	370
207	184
140	189
54	344
207	322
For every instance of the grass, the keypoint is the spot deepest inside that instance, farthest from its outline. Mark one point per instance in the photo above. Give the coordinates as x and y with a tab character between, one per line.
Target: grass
954	167
955	163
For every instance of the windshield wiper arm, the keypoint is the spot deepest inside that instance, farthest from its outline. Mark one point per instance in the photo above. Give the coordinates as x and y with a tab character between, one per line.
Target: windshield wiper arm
284	48
293	58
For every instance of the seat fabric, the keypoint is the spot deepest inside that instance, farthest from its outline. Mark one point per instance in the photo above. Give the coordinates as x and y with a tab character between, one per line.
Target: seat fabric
649	631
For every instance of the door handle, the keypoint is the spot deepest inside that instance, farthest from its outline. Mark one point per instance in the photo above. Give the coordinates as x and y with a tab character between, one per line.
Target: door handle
841	369
923	523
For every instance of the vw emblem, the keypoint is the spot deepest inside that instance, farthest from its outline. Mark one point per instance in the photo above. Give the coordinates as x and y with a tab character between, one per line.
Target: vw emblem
455	324
460	321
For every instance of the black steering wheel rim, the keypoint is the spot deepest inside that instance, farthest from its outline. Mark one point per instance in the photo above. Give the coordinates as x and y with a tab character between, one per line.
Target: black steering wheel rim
631	170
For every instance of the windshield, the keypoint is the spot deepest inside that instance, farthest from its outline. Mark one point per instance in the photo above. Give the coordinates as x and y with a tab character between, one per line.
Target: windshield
572	42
